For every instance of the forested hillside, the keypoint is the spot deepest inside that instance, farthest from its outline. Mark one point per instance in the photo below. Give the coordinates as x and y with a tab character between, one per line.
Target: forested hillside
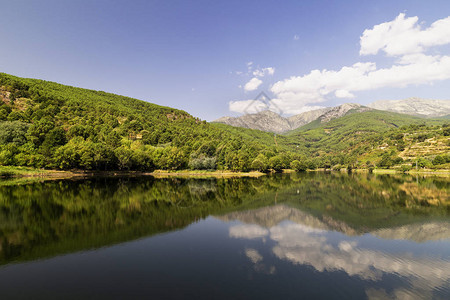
376	139
45	124
49	125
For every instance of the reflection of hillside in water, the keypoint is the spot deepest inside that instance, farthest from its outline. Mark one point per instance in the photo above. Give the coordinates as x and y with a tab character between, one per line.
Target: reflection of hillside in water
305	240
41	219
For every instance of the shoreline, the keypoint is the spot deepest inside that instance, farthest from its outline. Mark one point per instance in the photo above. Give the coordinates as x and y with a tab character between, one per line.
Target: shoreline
25	172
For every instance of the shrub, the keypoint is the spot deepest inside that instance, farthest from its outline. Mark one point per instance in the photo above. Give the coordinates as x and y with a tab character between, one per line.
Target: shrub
405	168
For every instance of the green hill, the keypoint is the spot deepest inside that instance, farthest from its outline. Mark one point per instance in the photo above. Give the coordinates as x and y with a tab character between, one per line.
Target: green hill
370	134
49	125
342	133
45	124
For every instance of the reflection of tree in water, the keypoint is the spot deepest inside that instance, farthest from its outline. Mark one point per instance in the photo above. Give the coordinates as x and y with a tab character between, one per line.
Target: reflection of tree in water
44	219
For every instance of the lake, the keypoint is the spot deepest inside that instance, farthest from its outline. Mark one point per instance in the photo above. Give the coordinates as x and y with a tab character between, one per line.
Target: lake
287	236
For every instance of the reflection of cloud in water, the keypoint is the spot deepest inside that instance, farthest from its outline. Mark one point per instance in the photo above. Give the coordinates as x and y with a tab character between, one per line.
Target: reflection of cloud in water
301	244
256	258
253	255
248	231
304	247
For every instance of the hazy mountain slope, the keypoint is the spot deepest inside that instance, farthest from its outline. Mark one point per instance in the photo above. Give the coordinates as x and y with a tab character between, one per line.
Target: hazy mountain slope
414	106
306	117
264	121
272	122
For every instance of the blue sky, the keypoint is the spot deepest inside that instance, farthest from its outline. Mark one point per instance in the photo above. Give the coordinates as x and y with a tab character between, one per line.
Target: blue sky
196	55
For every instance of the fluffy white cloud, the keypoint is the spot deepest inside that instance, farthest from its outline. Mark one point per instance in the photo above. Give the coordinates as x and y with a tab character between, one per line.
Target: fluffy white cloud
404	36
315	86
343	94
263	72
253	84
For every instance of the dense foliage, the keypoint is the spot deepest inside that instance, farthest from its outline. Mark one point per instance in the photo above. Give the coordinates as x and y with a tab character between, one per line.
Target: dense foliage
45	124
49	125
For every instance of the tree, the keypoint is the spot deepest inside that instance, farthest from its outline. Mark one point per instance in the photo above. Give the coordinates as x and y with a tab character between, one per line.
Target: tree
202	162
276	163
13	132
299	166
260	163
438	160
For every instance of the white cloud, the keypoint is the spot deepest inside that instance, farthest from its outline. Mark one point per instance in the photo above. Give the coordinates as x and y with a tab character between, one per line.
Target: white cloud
343	94
253	84
263	72
404	36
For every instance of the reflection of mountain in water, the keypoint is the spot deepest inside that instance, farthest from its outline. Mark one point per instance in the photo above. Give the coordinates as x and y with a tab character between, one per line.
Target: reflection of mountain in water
305	240
416	232
273	215
43	219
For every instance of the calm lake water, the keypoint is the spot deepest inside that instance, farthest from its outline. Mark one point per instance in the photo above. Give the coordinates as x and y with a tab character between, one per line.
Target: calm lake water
276	237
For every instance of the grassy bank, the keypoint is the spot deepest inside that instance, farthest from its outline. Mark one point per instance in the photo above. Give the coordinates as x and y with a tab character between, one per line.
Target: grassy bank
12	171
203	173
15	172
21	172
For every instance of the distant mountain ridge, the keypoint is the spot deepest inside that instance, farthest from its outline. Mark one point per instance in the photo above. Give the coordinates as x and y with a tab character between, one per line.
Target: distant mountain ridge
414	106
272	122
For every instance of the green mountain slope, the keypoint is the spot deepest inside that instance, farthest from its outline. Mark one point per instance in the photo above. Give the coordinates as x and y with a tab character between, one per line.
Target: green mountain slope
342	133
45	124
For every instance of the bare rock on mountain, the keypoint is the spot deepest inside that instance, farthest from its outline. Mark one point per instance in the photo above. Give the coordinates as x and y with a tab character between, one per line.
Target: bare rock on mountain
266	121
273	122
342	110
307	117
414	106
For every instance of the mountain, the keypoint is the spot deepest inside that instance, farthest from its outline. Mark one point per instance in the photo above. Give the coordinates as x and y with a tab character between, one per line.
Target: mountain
371	131
414	106
306	117
265	121
272	122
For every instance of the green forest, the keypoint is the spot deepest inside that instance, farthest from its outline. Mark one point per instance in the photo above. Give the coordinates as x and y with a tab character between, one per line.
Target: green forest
48	125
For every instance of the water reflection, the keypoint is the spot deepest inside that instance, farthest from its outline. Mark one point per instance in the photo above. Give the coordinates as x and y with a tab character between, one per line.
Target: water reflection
303	239
48	218
314	235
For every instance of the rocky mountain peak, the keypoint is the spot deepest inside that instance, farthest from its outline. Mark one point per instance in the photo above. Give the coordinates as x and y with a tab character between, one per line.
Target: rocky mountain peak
414	106
272	122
